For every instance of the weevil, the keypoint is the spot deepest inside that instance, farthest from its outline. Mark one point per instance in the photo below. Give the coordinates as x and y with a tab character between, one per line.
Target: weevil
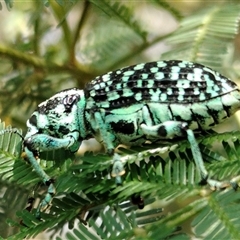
151	101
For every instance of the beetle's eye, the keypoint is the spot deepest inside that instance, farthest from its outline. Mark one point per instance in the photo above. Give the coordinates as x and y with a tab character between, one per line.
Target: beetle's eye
69	100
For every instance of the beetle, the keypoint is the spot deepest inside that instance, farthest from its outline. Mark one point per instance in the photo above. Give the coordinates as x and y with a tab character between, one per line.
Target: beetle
159	100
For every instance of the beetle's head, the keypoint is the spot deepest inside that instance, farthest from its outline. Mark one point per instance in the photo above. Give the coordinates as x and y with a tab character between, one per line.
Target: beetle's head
58	115
61	103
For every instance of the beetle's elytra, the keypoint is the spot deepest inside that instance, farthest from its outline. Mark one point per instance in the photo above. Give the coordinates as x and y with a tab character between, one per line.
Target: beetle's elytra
132	105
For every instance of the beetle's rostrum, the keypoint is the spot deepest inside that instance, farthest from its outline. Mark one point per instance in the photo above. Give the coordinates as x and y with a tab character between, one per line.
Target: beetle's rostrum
145	102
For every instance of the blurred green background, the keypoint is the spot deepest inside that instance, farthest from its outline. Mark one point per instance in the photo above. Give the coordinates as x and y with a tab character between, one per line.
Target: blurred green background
48	46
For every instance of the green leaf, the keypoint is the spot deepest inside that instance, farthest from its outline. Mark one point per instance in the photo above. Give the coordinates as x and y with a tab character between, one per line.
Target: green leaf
121	12
204	37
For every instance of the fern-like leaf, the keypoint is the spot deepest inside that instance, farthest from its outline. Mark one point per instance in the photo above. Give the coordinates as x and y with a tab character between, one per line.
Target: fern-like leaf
87	195
164	4
204	37
122	12
218	219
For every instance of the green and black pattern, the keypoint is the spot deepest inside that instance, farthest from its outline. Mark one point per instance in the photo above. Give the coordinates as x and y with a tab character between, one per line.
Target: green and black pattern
145	102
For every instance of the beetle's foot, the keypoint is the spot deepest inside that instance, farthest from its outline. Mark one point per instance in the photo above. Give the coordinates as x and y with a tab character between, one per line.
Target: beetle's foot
117	170
218	185
45	203
234	182
214	184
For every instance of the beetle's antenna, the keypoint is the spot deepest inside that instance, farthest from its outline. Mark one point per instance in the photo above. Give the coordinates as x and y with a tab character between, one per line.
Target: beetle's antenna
12	130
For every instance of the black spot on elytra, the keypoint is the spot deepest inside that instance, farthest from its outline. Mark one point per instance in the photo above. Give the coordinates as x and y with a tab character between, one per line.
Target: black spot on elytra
211	76
101	96
122	102
189	92
131	84
134	77
123	127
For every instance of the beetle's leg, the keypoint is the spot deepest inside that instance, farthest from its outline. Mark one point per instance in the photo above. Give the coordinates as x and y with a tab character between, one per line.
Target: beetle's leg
108	139
171	129
47	143
46	180
234	182
117	170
